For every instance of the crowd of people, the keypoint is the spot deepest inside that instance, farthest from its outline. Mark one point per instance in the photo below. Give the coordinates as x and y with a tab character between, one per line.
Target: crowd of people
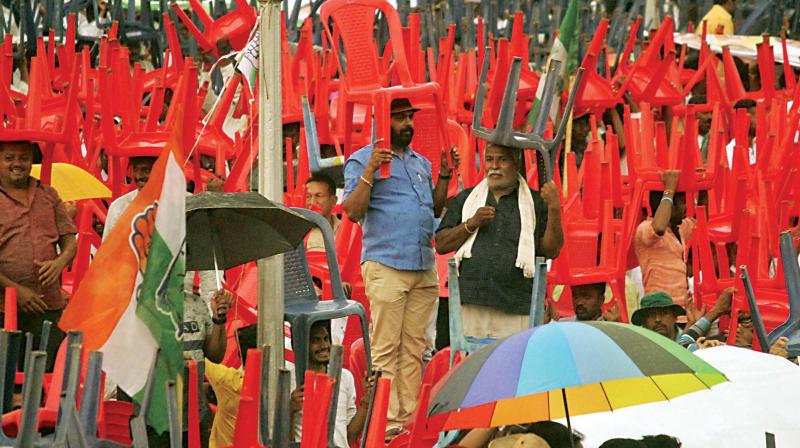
493	230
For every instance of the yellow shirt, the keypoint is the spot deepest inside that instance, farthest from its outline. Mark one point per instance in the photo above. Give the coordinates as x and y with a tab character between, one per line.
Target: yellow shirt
226	382
716	17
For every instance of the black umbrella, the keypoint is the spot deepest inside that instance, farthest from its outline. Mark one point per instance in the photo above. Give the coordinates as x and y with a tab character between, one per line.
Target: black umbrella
228	229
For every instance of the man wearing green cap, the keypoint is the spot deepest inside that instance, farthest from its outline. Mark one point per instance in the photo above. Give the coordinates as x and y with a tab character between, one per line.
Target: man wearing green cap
660	314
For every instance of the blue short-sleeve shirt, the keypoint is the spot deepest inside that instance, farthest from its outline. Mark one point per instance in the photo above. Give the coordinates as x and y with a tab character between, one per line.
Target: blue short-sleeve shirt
398	225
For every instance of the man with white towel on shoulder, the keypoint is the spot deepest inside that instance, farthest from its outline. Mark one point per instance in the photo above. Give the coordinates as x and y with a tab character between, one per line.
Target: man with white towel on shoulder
497	229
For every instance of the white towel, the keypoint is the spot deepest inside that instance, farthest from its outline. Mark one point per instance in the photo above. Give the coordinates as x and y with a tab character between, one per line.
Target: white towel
526	249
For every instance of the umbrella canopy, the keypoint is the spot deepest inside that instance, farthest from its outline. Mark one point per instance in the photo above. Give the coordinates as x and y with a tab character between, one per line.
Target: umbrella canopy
597	366
236	228
761	397
73	183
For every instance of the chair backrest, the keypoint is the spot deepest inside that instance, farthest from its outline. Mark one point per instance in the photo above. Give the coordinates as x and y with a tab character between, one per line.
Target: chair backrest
297	283
354	20
330	252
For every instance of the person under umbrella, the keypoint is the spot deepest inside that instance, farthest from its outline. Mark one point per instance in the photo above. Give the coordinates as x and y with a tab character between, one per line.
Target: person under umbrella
660	314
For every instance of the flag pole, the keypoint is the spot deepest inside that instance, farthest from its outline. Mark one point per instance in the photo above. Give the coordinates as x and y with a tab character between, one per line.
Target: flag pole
270	185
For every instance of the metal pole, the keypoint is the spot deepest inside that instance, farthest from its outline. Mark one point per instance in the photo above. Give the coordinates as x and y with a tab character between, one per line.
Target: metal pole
270	185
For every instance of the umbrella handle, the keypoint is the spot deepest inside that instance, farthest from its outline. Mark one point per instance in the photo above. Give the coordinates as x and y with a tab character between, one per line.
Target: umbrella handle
569	423
216	267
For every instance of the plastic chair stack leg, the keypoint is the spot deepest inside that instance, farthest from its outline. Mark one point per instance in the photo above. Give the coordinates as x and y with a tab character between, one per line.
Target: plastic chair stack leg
31	397
790	328
175	429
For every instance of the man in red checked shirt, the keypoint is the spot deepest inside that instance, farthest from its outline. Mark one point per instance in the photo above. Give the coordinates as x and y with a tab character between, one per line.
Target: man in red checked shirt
37	241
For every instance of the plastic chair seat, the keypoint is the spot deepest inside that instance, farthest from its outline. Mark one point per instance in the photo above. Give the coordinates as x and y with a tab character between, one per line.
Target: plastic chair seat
324	309
476	343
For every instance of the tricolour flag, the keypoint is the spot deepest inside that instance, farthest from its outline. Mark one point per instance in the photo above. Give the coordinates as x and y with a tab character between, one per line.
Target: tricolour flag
565	50
130	303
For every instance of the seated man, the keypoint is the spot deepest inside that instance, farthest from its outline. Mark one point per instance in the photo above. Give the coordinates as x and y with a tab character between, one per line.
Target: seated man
321	197
350	418
497	228
587	302
660	314
586	291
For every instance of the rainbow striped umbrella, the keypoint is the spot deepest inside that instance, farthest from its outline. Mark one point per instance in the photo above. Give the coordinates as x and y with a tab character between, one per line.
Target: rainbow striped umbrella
561	369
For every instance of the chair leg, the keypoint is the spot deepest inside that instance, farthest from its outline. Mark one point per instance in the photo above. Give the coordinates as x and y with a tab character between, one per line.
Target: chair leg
362	315
281	432
441	115
10	367
31	397
457	341
175	430
90	400
301	327
348	126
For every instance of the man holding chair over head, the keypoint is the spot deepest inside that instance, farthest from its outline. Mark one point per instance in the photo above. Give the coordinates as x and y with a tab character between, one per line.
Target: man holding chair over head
397	217
498	228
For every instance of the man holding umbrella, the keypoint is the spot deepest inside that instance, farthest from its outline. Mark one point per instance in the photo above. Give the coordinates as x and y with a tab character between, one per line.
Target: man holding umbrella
397	216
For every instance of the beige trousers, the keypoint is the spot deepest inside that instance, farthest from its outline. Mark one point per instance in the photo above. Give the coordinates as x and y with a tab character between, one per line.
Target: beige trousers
486	322
401	303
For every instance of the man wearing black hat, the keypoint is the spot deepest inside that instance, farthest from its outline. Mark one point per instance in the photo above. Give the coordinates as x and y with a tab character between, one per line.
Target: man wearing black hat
397	216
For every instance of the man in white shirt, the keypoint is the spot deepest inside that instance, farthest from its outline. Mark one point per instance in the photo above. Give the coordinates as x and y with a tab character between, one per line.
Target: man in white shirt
350	418
140	173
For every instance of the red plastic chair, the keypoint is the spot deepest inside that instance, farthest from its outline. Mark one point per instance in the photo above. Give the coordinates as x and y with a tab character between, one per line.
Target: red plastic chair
10	309
316	404
363	81
246	431
646	79
193	424
358	365
115	424
234	26
376	431
595	93
211	138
